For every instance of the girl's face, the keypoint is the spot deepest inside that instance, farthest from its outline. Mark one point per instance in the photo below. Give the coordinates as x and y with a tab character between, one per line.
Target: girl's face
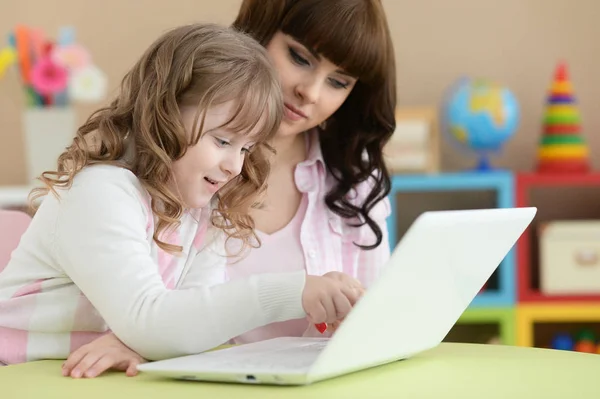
217	158
313	88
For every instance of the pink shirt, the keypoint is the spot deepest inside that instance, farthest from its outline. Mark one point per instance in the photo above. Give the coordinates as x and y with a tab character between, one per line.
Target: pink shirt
280	252
316	240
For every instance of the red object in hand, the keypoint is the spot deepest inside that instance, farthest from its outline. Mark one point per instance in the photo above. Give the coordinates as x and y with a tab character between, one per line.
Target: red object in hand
321	327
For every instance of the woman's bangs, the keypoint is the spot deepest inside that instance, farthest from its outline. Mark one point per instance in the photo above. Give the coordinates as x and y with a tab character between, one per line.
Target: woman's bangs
353	39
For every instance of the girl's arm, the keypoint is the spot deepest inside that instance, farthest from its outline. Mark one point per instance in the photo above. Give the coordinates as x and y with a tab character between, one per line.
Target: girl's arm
209	263
104	353
207	268
101	244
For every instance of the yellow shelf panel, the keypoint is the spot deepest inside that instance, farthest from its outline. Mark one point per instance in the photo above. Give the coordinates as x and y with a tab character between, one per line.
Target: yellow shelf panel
565	312
527	315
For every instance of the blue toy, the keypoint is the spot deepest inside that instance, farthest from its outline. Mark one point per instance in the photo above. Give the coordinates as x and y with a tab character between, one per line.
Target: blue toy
563	341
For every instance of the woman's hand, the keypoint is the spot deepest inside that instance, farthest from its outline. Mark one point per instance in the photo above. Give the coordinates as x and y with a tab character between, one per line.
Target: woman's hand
104	353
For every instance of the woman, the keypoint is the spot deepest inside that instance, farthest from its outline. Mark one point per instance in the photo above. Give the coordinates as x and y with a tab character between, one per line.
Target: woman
336	64
326	202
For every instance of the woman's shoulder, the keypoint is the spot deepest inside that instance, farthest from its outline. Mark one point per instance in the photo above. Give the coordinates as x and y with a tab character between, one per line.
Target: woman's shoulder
361	191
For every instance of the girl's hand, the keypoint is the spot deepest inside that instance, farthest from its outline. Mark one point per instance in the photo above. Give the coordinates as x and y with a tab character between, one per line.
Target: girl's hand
330	297
350	281
104	353
334	326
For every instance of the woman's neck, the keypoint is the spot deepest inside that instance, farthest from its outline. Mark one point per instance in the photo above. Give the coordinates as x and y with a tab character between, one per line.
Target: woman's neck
290	149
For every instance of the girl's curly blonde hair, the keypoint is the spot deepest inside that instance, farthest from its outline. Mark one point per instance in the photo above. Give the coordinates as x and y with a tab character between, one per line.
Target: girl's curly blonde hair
201	65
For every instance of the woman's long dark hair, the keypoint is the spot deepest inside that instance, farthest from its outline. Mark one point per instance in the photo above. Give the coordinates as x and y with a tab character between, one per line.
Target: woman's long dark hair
354	35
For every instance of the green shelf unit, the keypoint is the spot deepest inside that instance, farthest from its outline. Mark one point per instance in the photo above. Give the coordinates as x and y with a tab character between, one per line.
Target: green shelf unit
479	322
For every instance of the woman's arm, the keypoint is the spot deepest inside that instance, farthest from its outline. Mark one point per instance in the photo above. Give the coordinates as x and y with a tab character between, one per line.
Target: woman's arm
101	245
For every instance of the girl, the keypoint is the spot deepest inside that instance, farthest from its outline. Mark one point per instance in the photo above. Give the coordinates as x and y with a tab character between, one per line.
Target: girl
326	204
127	238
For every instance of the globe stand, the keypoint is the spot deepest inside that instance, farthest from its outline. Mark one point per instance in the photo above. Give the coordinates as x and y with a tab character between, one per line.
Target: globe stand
483	164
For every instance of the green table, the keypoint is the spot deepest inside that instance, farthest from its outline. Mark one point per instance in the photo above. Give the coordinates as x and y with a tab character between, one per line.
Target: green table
448	371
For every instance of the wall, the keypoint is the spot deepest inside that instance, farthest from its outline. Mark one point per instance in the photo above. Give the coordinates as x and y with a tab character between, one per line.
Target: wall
516	42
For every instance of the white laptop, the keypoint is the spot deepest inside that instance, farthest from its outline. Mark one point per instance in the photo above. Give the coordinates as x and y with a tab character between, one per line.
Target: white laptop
434	273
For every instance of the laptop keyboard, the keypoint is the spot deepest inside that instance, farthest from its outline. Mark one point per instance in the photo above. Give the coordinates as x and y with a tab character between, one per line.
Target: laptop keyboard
284	358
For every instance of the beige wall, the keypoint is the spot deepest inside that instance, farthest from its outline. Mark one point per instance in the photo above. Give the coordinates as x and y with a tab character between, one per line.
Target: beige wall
514	41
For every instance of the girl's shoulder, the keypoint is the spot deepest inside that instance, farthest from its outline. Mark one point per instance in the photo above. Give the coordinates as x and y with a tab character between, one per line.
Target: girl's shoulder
104	185
106	175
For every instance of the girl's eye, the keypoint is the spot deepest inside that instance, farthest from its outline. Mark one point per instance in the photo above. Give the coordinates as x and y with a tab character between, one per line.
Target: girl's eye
221	142
297	58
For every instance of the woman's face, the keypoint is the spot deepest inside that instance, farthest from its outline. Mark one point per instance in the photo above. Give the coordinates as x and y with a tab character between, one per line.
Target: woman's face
313	87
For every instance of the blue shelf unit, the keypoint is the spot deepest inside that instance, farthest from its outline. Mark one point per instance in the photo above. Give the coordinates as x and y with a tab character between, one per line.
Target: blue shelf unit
501	182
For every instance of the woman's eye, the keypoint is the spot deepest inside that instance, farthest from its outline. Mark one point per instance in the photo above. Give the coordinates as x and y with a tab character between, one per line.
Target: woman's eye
337	84
298	59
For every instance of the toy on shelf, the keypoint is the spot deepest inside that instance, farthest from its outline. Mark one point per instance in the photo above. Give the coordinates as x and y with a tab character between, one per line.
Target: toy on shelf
586	335
562	148
584	341
570	257
495	340
563	341
479	116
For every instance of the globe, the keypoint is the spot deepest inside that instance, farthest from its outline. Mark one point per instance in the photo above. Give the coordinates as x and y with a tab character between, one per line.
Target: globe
479	116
